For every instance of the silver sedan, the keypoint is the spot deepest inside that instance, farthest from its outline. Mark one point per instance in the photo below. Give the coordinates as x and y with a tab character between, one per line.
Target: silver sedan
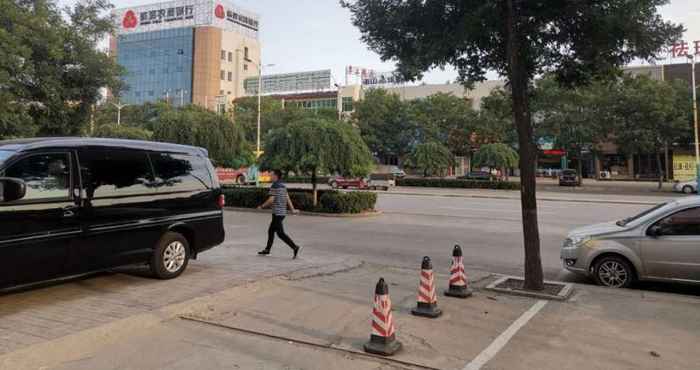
659	244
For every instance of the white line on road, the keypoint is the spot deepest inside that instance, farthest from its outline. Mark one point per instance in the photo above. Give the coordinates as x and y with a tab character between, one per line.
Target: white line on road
497	345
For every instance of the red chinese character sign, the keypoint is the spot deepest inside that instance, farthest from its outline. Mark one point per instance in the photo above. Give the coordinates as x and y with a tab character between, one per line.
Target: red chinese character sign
130	20
684	49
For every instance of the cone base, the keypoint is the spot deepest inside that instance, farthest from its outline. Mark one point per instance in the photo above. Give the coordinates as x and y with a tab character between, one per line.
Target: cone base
430	312
383	349
459	292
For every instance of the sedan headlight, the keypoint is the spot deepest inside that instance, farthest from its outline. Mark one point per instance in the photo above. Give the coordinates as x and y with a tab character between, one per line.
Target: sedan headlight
575	241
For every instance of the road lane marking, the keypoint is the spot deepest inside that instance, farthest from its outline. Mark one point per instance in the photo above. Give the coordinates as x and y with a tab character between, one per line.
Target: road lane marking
497	345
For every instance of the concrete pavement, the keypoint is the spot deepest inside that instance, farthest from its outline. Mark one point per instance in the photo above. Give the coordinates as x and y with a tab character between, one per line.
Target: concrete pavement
324	321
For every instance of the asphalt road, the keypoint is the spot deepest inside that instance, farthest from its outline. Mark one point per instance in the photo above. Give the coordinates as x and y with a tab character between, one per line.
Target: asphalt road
489	231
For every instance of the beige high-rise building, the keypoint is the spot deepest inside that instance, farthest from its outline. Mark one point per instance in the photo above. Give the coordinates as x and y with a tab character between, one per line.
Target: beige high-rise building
186	51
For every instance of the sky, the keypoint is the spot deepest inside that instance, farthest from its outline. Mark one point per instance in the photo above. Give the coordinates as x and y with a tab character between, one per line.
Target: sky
305	35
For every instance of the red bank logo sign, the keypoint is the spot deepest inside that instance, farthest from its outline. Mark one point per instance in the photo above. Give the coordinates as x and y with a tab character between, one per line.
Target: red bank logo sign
130	20
219	12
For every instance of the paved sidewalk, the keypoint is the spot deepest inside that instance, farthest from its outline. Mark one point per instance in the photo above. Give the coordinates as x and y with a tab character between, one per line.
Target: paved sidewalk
320	321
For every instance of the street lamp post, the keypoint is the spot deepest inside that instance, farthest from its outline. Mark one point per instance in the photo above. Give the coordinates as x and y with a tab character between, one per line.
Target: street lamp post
259	66
695	124
119	107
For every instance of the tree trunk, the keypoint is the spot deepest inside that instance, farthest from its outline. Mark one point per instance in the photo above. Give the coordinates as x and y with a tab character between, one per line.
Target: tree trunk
314	187
519	81
660	170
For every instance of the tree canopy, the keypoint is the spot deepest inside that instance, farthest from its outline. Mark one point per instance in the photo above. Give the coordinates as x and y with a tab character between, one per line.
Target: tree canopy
314	144
431	159
51	69
497	155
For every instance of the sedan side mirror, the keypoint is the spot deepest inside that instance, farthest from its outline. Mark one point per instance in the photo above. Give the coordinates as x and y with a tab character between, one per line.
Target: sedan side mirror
12	189
655	231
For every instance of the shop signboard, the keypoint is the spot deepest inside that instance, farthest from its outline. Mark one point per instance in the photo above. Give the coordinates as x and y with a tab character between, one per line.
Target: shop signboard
684	167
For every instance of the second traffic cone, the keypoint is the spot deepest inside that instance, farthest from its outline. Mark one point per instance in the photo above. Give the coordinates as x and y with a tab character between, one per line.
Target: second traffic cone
382	341
427	297
458	279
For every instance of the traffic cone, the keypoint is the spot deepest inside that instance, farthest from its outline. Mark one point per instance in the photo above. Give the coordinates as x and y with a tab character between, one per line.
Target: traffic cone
383	339
427	297
458	279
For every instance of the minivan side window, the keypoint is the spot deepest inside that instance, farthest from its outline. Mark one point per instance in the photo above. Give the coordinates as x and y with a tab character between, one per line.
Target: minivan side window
115	173
179	172
686	222
47	176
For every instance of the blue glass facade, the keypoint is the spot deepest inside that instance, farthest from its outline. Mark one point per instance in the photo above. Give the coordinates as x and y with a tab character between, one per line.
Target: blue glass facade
158	65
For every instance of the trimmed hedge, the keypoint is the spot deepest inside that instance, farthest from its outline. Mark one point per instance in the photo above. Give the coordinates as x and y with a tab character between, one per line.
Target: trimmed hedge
306	179
456	183
329	201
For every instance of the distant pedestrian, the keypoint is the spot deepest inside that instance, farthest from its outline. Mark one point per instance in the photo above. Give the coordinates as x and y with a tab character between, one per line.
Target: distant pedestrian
279	200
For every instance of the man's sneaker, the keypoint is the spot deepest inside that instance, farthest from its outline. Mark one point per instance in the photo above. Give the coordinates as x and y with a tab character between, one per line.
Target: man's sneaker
296	252
264	252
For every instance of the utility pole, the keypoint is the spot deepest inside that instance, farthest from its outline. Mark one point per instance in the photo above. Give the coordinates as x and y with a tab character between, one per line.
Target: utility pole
695	124
119	107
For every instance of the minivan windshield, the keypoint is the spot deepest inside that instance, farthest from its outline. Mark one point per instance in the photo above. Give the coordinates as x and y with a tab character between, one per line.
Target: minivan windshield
626	221
4	154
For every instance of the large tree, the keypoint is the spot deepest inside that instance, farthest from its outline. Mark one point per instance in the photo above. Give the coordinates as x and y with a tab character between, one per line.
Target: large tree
431	159
497	155
446	119
315	144
51	69
649	116
518	39
386	123
193	125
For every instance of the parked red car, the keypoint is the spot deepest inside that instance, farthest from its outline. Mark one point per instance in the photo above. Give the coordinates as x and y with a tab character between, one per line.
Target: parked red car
341	182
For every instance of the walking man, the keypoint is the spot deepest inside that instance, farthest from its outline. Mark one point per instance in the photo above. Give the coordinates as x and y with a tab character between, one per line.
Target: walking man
279	200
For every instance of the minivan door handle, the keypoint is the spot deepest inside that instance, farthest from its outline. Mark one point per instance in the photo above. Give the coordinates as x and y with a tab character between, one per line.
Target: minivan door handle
69	211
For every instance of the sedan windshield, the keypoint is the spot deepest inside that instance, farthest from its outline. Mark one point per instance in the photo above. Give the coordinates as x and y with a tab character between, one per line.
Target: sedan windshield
626	221
4	154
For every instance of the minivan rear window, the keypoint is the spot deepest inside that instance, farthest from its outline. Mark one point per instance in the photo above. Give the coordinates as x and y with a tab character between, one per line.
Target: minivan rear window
179	172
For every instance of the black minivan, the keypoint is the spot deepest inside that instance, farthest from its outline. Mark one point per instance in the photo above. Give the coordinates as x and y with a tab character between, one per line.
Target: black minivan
70	206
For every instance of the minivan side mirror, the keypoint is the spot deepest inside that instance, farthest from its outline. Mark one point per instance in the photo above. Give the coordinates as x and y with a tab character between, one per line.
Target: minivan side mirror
12	189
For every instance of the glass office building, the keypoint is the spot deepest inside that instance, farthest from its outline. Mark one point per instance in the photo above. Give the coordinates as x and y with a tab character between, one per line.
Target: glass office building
158	66
186	52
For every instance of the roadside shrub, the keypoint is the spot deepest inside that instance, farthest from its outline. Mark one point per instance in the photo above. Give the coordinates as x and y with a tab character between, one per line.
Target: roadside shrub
460	184
330	201
306	179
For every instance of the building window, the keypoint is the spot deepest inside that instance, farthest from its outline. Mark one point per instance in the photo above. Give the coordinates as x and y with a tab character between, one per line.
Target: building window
347	104
223	54
245	67
230	56
223	75
221	92
229	93
245	53
230	76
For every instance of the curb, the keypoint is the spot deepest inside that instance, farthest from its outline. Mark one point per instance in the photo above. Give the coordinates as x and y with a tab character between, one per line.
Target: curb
545	199
563	295
312	214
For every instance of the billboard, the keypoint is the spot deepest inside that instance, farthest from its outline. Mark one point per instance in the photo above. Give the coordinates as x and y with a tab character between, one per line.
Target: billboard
186	13
684	167
290	82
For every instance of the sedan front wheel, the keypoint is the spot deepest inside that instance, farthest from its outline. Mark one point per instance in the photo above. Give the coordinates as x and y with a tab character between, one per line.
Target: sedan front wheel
613	272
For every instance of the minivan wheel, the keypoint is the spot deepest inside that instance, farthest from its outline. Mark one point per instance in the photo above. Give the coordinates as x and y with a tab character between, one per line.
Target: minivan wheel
613	272
171	256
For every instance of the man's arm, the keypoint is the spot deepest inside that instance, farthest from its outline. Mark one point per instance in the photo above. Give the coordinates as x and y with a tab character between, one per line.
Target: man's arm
267	202
291	205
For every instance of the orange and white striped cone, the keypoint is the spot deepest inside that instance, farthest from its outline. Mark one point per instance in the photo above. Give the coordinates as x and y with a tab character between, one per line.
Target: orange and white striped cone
459	287
427	297
383	339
